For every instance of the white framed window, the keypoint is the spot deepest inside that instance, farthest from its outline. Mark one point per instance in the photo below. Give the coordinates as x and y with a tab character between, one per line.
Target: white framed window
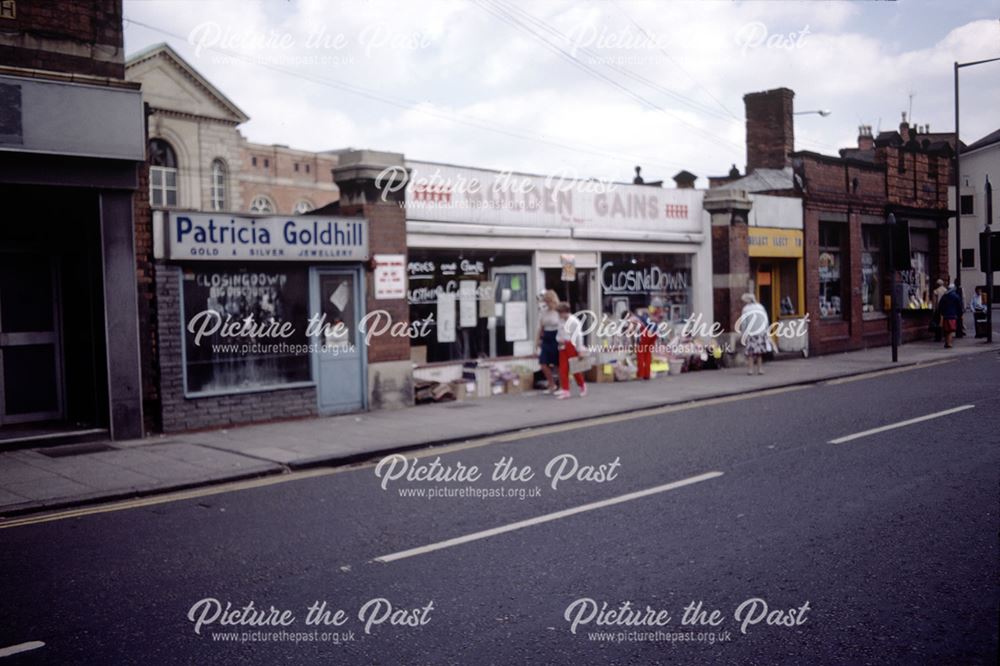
162	174
218	185
261	204
303	206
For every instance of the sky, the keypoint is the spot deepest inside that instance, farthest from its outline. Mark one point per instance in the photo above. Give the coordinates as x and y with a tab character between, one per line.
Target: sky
585	88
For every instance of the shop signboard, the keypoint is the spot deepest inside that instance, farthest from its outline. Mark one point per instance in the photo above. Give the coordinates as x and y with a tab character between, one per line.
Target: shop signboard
768	242
184	236
444	193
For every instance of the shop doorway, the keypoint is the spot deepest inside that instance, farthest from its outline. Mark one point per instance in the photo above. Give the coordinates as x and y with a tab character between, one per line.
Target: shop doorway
339	361
31	361
53	355
514	305
777	286
576	292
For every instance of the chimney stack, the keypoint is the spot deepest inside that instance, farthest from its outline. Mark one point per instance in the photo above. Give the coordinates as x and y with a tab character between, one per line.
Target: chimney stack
865	139
770	130
685	180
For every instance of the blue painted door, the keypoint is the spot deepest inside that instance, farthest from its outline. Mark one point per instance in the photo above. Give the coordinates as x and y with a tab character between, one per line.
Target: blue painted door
340	355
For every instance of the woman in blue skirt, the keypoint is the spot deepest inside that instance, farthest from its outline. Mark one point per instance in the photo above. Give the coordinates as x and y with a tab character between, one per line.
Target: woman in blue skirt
548	326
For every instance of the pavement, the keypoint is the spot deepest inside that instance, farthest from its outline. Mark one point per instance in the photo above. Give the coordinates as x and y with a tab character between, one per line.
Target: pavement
878	550
31	480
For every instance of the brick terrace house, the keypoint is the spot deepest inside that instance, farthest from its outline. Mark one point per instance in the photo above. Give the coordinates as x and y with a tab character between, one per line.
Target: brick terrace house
846	200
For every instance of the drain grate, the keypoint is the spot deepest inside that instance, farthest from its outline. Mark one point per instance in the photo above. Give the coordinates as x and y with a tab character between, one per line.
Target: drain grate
76	449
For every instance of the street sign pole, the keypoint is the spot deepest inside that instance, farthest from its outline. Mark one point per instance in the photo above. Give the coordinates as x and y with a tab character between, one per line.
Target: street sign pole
988	261
891	221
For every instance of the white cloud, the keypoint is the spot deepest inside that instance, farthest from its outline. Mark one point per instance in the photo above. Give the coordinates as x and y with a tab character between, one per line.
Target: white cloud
455	58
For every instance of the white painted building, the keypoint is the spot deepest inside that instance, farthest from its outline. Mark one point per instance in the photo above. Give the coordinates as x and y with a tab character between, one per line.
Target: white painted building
979	160
483	244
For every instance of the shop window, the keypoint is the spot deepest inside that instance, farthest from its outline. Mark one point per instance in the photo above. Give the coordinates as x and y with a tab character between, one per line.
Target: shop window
831	304
871	269
261	204
968	204
265	295
479	303
788	280
917	281
658	283
303	206
162	174
218	189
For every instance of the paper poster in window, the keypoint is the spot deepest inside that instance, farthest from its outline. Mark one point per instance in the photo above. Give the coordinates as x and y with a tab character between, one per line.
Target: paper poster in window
486	304
467	313
516	321
446	317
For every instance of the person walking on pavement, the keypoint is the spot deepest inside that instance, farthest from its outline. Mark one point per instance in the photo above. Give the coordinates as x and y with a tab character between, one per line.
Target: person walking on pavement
938	292
951	307
645	341
548	346
753	328
570	339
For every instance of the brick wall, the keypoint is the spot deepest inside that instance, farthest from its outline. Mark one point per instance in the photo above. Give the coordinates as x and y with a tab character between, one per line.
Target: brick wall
770	130
69	36
852	193
387	235
180	413
281	182
146	278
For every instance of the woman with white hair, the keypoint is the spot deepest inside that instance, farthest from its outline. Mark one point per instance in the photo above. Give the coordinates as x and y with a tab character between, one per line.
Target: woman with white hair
753	327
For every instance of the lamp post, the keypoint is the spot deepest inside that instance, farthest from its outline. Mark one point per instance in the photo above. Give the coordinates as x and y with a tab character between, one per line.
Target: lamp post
958	190
893	323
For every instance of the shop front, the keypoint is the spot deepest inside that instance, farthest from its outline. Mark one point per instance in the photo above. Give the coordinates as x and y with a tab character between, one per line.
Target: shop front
259	317
483	245
69	338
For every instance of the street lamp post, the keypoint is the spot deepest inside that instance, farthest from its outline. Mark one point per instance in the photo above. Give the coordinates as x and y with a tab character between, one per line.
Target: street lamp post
958	189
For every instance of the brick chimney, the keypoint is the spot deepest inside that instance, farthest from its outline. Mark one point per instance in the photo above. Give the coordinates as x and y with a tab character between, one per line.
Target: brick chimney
904	128
865	139
770	130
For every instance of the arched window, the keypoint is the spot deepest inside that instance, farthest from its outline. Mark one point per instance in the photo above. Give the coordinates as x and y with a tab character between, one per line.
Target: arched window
261	204
162	174
303	206
218	189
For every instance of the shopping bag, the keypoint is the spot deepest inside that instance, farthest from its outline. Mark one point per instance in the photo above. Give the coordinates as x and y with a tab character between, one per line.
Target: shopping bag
580	364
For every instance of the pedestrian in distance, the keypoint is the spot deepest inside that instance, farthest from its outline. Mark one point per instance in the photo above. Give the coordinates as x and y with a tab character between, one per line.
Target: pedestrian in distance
753	327
938	292
570	339
548	328
978	306
951	307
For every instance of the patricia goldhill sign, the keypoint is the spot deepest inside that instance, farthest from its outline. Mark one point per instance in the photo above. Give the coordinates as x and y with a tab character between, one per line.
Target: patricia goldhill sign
212	237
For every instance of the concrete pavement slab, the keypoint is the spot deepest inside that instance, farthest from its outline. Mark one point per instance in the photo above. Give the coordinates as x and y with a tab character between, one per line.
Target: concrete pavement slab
31	480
